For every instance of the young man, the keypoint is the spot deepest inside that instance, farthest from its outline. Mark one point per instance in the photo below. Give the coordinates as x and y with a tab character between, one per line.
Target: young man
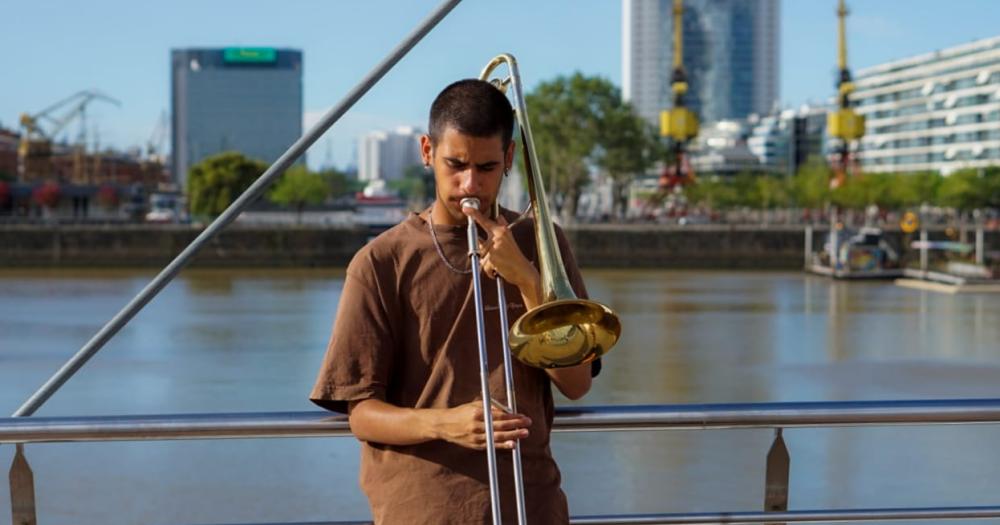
403	360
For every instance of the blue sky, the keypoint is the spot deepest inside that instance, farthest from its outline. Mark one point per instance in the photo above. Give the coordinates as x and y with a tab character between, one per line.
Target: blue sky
54	48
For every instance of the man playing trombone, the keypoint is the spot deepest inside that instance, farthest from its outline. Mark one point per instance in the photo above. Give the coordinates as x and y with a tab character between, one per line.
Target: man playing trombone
402	358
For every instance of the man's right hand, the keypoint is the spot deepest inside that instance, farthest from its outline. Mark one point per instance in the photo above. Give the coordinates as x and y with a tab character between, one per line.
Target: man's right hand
465	425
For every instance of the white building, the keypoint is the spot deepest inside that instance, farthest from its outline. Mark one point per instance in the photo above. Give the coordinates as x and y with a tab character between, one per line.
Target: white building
386	155
730	56
784	141
721	149
938	111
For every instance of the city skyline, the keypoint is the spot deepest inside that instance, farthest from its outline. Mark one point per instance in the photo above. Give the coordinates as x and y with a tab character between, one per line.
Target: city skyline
123	49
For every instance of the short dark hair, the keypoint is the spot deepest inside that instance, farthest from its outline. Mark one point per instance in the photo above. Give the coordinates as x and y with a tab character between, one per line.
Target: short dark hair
473	107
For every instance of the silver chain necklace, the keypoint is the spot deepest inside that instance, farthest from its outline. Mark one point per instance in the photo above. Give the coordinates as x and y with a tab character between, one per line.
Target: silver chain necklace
437	246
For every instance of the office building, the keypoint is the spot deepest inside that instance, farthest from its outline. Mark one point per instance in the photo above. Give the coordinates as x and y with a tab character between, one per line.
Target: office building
784	141
387	155
233	99
939	111
730	56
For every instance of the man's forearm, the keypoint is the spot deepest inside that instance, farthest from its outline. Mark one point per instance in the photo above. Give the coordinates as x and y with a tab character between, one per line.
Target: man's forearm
380	422
574	382
376	421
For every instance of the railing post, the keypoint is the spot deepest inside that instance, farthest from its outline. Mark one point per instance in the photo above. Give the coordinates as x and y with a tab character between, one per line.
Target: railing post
980	245
808	256
22	490
776	477
923	251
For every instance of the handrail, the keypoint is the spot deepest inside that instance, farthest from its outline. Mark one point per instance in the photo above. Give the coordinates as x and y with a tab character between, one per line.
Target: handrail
793	516
567	419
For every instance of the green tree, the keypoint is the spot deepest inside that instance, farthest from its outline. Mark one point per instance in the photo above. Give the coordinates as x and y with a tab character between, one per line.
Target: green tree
579	122
713	193
744	190
772	191
811	186
991	186
627	147
964	190
298	187
338	182
924	187
859	191
215	182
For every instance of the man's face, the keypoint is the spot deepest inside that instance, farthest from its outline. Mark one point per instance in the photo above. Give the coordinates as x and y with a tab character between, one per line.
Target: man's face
466	166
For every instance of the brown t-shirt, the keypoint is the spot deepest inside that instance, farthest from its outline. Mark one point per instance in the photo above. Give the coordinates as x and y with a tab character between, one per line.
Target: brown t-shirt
405	333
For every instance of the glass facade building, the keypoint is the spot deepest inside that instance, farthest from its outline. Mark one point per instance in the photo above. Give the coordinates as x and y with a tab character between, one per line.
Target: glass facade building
784	141
938	111
233	99
730	56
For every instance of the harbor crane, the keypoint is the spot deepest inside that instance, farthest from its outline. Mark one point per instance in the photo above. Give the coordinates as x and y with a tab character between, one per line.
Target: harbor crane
39	131
679	124
843	123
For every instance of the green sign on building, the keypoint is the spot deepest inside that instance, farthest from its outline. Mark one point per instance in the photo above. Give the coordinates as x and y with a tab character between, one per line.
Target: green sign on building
253	55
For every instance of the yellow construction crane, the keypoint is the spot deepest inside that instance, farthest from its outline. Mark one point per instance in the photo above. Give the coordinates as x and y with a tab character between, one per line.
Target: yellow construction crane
34	152
843	123
678	123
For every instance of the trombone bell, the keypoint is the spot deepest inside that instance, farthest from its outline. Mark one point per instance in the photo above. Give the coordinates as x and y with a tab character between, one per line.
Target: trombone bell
562	333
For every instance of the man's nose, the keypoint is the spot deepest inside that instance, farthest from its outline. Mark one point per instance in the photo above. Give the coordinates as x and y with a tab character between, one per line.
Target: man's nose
470	182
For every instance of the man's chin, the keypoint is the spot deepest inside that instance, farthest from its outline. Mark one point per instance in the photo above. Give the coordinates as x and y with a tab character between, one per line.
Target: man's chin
456	204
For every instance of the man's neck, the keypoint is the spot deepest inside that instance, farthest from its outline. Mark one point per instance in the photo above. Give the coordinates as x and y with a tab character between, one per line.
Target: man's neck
441	215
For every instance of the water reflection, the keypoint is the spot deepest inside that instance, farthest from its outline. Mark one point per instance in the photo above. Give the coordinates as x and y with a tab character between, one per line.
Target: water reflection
251	341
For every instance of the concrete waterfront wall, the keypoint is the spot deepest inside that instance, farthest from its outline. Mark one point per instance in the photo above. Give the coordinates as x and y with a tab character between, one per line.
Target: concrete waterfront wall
609	246
149	246
688	247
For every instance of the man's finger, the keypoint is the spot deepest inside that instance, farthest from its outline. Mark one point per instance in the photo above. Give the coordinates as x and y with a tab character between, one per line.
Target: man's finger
480	218
504	437
504	425
488	268
485	247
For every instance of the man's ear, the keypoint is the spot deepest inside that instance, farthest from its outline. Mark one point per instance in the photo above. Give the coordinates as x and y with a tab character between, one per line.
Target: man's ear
426	149
509	156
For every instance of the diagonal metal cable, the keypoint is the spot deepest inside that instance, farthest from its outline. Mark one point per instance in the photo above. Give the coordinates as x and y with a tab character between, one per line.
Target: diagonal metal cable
229	215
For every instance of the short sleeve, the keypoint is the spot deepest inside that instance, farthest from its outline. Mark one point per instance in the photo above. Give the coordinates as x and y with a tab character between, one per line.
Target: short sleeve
359	356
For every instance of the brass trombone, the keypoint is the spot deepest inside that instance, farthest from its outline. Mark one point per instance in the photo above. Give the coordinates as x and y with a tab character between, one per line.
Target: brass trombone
564	330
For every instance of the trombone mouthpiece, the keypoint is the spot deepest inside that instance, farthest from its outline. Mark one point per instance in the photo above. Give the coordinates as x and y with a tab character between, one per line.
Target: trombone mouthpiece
470	202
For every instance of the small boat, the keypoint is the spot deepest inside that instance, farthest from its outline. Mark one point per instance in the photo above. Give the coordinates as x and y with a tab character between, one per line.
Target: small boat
863	255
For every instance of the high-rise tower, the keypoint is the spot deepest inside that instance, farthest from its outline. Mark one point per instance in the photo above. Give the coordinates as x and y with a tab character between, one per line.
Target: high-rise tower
240	99
730	56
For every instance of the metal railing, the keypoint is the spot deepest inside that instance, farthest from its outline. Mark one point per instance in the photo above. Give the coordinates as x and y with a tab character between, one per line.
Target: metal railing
778	416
